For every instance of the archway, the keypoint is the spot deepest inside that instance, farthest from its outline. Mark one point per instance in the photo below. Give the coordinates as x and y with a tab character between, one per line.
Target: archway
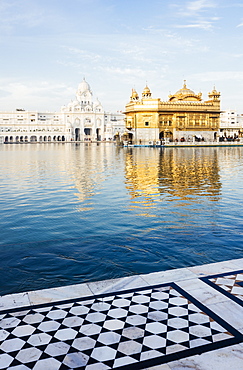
87	131
33	139
168	135
98	136
77	134
128	137
6	139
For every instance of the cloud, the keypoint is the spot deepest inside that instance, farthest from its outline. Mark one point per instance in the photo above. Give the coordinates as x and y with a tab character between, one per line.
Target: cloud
219	76
240	55
19	16
199	5
121	56
198	12
17	93
13	13
84	54
138	72
196	7
205	25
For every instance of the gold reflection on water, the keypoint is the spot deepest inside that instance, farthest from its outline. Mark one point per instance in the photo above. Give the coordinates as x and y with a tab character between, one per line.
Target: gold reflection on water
173	174
142	175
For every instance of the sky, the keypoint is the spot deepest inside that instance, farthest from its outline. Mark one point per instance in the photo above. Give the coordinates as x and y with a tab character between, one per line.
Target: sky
47	47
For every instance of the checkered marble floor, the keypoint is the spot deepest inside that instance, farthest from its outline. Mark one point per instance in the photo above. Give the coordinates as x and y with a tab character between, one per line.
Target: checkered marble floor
128	329
230	284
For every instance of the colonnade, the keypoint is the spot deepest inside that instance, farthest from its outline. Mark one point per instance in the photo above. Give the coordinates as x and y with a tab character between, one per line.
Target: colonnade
32	138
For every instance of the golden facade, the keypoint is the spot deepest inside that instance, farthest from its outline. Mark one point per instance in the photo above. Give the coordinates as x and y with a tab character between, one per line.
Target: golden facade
185	116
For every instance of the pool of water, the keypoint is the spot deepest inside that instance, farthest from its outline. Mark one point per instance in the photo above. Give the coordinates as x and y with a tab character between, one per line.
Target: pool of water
74	213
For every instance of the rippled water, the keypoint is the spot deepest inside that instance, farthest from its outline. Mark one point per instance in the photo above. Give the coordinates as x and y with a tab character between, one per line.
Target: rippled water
74	213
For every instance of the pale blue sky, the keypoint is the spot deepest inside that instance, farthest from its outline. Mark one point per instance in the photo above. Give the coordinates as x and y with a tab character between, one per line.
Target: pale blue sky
48	46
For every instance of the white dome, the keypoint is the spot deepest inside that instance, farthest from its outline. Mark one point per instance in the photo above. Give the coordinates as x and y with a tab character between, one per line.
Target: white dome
97	103
83	86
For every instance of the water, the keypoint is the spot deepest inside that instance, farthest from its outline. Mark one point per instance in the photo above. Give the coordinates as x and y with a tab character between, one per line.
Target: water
75	213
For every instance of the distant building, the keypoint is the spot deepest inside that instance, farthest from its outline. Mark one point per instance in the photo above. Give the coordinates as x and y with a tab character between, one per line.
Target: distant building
184	117
83	119
231	124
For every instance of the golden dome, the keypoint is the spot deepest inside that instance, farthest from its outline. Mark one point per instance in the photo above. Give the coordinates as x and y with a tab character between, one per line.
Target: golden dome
146	92
185	90
185	94
134	95
214	94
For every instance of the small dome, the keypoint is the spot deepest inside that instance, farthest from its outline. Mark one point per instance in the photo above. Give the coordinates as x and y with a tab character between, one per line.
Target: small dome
214	94
75	103
146	89
146	92
134	95
97	103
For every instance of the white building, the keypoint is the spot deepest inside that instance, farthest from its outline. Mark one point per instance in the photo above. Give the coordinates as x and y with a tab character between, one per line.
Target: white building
231	124
83	119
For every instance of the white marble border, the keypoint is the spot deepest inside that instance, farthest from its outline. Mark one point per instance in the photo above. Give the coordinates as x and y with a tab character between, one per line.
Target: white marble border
221	359
186	278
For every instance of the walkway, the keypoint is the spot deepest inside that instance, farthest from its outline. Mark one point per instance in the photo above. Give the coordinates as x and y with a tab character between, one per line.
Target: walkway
190	318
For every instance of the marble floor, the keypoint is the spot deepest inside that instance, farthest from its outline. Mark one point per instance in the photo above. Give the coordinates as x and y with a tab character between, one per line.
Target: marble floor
189	318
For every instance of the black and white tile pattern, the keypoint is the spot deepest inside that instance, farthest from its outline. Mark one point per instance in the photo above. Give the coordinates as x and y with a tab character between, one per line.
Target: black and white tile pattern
124	330
230	284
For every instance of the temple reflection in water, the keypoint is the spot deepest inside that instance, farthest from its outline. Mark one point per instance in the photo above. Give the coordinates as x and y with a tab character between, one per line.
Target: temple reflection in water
175	174
149	174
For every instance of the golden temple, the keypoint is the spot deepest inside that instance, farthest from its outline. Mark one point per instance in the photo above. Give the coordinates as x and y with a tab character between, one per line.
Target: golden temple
184	117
